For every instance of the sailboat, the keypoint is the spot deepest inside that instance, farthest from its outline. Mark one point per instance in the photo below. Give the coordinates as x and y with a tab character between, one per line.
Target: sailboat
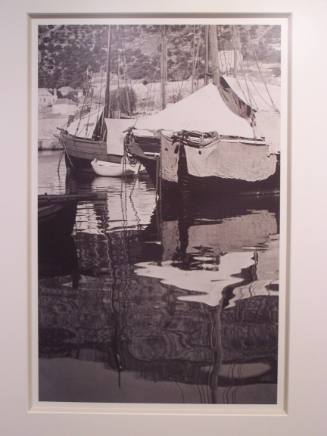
209	142
94	142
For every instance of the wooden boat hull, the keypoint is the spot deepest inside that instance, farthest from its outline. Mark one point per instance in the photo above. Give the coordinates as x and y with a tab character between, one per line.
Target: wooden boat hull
80	152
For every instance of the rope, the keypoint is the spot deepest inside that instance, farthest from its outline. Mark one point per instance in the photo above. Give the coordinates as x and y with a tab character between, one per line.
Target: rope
64	146
81	112
252	102
264	82
195	139
258	92
261	76
59	162
89	114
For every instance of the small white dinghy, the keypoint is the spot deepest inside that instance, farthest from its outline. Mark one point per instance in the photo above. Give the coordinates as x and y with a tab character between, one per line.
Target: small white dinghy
112	169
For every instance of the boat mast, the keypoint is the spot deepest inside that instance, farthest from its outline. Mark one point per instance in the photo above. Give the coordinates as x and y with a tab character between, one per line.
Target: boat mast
206	59
163	66
106	111
193	61
213	51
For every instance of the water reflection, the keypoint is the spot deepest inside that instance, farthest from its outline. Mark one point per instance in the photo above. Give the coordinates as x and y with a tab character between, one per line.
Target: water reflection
173	304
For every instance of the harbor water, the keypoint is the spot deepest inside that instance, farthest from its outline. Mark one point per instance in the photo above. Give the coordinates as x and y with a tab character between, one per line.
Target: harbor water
158	303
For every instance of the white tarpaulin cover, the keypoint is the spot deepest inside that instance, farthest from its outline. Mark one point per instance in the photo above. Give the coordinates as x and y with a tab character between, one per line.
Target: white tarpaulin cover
204	111
115	134
268	126
229	160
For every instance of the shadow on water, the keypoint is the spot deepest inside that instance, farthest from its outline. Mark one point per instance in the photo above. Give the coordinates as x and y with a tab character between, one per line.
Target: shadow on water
173	303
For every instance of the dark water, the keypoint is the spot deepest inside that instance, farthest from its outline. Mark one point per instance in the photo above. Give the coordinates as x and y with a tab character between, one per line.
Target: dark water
158	303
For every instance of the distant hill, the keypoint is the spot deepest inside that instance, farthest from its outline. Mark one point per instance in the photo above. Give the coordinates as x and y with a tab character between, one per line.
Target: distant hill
67	52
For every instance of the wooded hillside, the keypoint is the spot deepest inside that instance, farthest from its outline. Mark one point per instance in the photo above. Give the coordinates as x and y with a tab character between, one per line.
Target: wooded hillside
66	52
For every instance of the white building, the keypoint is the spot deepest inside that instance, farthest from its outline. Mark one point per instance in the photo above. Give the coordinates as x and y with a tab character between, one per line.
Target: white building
46	98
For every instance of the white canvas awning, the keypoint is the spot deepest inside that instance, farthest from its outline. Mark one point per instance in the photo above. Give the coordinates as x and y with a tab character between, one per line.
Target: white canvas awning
204	111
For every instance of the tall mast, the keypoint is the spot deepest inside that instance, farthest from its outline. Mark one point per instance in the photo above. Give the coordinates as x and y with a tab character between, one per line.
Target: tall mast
163	66
206	59
213	50
193	62
106	111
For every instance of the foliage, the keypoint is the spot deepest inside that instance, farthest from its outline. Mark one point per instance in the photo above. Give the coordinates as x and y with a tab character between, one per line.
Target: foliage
123	100
67	52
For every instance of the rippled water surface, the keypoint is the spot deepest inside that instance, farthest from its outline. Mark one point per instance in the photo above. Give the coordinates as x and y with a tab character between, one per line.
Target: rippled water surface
158	303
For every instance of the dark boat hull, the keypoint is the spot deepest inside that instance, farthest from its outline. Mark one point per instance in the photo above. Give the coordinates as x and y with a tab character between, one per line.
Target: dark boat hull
209	186
56	220
188	183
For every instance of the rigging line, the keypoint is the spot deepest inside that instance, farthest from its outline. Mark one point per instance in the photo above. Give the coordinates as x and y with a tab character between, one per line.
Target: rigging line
252	102
138	220
100	96
245	96
89	114
150	93
228	66
67	154
128	82
262	77
197	57
225	57
81	112
59	161
258	91
193	61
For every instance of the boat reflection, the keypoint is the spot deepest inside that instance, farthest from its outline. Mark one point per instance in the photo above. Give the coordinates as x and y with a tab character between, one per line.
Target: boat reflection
56	248
182	310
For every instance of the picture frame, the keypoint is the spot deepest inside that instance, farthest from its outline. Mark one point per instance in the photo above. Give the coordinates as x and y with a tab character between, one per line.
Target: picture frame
298	414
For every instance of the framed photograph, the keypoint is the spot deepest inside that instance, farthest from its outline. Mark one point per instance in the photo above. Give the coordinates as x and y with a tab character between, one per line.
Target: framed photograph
160	279
166	288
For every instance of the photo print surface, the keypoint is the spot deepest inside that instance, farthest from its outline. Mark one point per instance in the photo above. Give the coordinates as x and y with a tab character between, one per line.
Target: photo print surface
159	212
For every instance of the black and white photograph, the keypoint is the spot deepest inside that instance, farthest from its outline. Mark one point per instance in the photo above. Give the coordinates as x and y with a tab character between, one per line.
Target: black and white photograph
161	198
